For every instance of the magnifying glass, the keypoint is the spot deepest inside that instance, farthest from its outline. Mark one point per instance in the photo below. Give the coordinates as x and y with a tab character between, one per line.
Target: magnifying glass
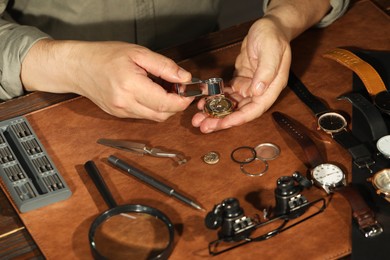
129	231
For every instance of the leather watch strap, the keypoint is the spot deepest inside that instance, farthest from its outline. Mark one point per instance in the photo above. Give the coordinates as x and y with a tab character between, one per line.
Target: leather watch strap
310	149
371	114
314	103
370	77
360	153
362	213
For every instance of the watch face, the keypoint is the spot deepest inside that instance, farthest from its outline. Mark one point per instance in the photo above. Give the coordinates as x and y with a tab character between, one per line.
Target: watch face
218	106
381	181
328	174
332	122
382	101
383	145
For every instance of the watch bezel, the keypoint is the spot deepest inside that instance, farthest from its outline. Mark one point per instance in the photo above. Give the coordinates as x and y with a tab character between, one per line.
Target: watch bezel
334	115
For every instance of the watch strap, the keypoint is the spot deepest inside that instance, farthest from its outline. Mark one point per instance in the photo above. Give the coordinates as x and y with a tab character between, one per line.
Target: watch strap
371	114
310	149
361	212
369	76
314	103
360	153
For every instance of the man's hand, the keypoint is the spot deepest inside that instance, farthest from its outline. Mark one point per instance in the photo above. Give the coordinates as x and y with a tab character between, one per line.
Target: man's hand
114	75
262	69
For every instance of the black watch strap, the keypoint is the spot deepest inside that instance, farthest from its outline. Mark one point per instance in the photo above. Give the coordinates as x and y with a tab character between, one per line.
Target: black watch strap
360	153
310	149
370	113
314	103
361	212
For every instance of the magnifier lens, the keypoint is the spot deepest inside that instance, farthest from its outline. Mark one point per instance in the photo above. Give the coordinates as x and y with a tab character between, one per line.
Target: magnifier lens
131	235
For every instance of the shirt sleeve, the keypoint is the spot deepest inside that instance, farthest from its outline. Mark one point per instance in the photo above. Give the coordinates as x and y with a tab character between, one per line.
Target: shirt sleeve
16	40
339	7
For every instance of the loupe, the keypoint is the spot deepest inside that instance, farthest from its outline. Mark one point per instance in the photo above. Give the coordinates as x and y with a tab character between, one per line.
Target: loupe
128	231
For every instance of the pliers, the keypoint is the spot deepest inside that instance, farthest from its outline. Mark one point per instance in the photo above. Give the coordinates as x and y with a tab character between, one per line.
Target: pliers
141	148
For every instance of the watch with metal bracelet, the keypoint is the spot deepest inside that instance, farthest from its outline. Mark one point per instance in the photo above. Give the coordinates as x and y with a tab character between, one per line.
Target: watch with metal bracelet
330	177
374	84
332	123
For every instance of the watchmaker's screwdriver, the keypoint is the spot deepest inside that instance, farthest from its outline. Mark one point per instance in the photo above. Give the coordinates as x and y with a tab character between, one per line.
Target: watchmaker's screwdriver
151	181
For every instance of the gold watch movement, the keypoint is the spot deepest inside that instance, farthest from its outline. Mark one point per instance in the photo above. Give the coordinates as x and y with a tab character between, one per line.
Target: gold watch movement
218	106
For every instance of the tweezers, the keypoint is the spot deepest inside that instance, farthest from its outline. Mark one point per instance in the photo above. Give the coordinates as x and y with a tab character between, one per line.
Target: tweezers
141	148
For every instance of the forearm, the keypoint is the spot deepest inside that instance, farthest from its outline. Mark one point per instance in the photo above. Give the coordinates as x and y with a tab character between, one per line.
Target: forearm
50	66
295	16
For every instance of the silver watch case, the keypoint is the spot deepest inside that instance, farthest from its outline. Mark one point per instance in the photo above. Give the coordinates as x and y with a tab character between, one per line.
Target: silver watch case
328	177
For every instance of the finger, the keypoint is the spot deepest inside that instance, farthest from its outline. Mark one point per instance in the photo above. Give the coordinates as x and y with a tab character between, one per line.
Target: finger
161	66
154	97
267	70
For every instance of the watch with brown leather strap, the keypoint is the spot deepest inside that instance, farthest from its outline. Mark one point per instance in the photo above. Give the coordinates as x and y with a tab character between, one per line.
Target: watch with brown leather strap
332	123
371	79
330	177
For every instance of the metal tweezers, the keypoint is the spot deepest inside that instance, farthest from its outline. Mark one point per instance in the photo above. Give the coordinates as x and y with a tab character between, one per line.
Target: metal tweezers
141	148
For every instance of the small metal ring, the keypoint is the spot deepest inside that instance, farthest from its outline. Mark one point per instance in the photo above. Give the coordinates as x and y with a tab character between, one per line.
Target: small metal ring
255	174
273	149
248	160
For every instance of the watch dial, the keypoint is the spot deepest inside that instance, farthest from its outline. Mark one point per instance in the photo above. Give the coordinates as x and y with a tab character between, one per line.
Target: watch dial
327	174
332	122
383	145
382	181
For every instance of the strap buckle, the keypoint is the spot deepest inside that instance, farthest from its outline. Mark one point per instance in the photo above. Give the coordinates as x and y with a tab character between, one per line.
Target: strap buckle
365	163
372	230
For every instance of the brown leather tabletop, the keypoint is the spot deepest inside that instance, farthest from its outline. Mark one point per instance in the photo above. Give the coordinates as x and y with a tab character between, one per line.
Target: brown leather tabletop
69	131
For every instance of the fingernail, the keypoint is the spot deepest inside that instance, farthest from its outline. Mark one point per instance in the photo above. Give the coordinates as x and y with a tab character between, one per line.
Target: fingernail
182	73
260	87
207	131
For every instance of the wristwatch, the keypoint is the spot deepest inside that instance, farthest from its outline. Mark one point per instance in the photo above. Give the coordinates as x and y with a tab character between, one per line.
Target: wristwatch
379	133
381	182
373	82
374	119
325	175
332	123
330	177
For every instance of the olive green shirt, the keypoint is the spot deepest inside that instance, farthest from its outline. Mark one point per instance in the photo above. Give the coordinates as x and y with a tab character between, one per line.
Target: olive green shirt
152	23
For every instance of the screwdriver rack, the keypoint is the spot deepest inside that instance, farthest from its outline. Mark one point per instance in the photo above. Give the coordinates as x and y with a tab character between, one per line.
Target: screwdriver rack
26	170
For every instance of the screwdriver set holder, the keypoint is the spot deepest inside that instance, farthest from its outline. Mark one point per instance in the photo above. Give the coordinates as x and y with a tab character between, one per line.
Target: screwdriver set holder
26	170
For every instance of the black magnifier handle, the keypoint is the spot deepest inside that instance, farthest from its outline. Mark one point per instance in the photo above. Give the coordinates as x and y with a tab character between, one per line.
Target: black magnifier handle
100	184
